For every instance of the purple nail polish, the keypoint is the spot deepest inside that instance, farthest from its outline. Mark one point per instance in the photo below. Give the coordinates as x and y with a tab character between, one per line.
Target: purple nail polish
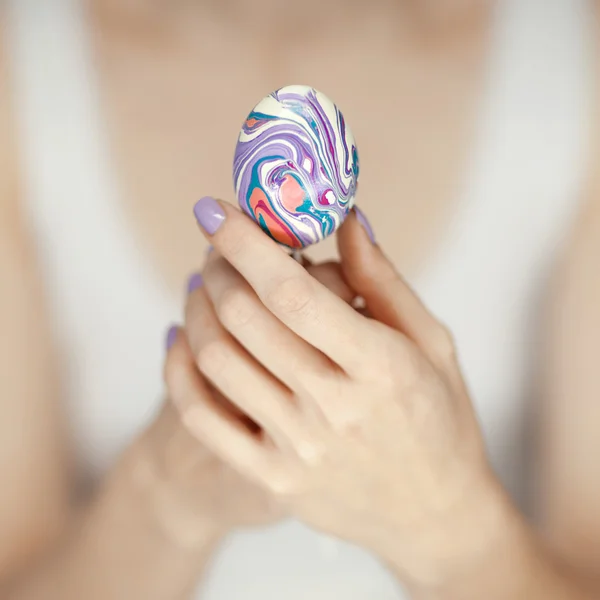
171	336
362	219
209	250
209	214
194	282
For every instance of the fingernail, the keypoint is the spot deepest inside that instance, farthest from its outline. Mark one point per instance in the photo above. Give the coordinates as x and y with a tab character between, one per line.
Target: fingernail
209	250
171	336
209	214
194	282
362	219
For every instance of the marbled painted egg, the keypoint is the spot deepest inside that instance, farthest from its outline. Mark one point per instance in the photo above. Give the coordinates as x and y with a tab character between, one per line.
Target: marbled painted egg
295	169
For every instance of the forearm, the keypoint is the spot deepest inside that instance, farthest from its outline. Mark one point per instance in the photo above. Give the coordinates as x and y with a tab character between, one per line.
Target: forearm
123	546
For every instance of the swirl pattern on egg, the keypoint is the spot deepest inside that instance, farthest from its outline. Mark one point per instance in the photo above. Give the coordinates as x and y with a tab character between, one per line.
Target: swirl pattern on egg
296	166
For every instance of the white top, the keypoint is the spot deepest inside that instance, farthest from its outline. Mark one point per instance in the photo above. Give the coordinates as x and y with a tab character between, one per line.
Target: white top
110	306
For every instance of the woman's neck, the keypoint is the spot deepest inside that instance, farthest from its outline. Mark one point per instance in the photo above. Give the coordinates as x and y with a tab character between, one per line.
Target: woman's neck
438	15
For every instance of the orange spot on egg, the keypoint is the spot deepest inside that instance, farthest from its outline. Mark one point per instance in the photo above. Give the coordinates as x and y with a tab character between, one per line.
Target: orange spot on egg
268	219
282	234
292	194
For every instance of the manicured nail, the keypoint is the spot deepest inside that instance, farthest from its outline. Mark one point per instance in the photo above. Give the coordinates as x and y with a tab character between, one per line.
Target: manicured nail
194	282
209	214
362	219
171	336
209	250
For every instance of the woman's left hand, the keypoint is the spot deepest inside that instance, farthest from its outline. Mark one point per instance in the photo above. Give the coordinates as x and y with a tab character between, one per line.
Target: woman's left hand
368	432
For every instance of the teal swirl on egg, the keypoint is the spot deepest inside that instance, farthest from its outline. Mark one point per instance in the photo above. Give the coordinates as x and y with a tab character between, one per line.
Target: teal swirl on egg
296	166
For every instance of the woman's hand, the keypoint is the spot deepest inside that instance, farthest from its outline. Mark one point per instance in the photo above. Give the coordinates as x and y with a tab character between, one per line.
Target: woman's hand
368	432
198	498
203	493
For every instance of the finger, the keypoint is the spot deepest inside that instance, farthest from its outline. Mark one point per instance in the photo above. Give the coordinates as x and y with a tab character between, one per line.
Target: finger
206	420
238	376
330	275
388	297
303	304
295	363
195	282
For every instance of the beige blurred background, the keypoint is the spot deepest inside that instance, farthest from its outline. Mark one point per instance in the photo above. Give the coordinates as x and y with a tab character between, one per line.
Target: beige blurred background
482	267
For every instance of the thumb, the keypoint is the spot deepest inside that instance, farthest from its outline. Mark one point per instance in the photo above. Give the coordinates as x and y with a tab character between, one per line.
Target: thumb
387	295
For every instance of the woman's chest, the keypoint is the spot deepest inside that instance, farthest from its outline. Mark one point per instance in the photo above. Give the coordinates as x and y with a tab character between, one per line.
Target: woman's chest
109	305
174	108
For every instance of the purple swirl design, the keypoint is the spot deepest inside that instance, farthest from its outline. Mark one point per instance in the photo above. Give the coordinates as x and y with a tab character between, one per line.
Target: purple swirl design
296	168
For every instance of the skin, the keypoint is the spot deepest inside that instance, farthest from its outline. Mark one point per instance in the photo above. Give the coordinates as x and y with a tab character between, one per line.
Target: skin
151	514
325	393
570	483
151	527
368	431
430	58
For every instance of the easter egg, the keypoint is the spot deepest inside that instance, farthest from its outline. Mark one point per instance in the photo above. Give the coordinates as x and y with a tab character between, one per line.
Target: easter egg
295	168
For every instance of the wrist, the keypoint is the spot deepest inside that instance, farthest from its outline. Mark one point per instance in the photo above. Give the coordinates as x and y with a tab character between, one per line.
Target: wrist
169	492
484	543
458	543
131	527
172	516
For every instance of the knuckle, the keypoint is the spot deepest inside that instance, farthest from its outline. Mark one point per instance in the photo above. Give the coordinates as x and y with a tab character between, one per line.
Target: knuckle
283	480
291	296
282	485
310	452
212	359
235	309
390	358
404	372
